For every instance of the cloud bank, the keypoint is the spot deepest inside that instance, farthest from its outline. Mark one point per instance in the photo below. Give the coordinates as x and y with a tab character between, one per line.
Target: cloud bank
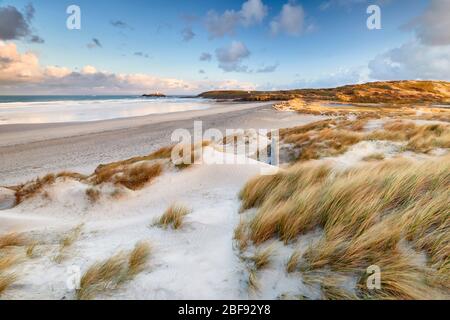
23	74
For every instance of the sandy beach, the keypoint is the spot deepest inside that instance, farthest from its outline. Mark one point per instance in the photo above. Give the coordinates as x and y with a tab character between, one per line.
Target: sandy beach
31	150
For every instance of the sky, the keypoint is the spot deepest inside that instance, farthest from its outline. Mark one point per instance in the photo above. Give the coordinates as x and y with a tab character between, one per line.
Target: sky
191	46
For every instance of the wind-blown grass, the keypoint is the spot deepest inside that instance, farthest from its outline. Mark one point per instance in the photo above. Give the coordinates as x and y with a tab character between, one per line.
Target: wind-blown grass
6	280
173	217
11	240
333	137
67	241
368	215
107	275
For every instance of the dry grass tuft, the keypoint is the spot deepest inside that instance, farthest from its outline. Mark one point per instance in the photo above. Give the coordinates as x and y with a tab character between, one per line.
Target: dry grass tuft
109	274
138	176
133	177
67	241
241	235
293	262
102	276
374	157
72	175
6	280
173	217
32	188
9	260
105	171
93	195
262	257
253	282
365	213
30	250
138	257
12	240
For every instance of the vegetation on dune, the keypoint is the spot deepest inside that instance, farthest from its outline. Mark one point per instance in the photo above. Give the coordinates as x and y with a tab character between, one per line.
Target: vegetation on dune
13	248
398	92
334	137
11	240
133	174
107	275
67	241
173	217
262	257
6	280
383	214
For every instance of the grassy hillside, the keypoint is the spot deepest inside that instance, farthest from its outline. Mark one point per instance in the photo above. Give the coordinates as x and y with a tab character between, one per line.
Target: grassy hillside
373	92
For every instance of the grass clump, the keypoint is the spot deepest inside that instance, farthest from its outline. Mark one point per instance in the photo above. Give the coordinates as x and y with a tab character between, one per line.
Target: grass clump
107	275
11	240
138	258
133	177
366	214
293	261
6	280
93	195
173	217
34	187
240	236
67	241
253	282
374	157
330	138
262	258
101	276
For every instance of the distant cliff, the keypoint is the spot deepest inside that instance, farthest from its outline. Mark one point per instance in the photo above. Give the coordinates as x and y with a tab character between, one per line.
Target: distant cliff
397	92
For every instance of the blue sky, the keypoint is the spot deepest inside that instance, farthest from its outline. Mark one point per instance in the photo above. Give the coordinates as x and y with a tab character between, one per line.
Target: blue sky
317	43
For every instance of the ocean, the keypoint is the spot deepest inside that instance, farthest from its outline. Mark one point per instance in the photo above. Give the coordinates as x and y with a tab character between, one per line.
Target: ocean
57	109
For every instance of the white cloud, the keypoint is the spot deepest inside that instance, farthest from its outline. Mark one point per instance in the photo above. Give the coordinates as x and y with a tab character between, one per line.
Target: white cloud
88	70
433	26
412	60
291	20
253	12
16	67
230	58
219	25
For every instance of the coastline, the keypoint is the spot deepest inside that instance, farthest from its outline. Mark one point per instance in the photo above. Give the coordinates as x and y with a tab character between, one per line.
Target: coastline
29	151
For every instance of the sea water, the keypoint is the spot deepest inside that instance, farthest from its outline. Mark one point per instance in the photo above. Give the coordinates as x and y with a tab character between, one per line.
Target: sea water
57	109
